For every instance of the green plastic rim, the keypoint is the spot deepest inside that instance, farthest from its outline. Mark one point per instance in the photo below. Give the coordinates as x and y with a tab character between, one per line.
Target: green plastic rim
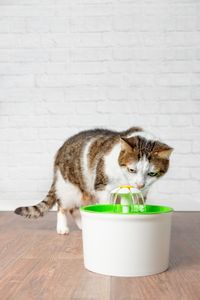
132	210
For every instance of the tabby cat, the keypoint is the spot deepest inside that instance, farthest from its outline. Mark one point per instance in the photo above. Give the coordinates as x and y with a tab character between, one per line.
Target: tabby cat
92	163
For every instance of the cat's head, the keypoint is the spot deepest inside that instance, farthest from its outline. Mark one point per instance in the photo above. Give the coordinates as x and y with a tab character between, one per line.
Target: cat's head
143	161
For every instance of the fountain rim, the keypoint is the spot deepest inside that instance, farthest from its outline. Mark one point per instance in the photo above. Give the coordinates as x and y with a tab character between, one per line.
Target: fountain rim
110	209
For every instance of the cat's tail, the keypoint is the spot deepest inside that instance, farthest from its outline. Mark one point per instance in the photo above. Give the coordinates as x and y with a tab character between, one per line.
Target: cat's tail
41	208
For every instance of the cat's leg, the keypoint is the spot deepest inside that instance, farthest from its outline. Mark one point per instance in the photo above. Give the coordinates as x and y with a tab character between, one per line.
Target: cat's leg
69	197
62	226
75	212
86	199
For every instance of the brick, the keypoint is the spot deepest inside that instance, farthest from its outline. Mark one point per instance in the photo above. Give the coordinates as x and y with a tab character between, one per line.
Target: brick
115	107
181	120
89	8
27	146
91	54
28	40
162	120
87	108
196	120
24	55
50	94
59	55
48	108
83	79
21	68
120	121
179	172
5	55
62	40
52	133
28	121
146	121
16	94
170	79
28	134
181	133
34	172
55	68
88	120
196	146
120	93
52	81
17	108
195	91
4	25
137	53
183	146
18	185
16	81
8	40
181	23
88	67
195	173
47	24
24	2
138	22
26	10
183	39
177	107
177	66
179	53
8	134
145	107
4	121
192	160
90	24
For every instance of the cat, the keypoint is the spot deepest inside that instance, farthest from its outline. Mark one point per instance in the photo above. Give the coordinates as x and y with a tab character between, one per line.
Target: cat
92	163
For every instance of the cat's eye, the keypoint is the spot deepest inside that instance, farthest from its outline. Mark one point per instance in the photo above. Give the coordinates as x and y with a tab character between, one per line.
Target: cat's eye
152	174
131	170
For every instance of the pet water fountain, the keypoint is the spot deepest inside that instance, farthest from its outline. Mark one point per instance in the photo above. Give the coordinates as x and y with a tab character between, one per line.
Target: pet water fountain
126	237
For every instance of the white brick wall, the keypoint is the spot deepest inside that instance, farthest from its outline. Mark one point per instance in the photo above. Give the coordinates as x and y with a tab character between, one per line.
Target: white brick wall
75	64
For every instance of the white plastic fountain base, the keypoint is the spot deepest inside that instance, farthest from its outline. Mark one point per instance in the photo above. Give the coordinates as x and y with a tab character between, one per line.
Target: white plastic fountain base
121	244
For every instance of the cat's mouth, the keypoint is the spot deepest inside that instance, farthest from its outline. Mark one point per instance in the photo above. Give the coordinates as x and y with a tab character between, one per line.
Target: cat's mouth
139	188
143	189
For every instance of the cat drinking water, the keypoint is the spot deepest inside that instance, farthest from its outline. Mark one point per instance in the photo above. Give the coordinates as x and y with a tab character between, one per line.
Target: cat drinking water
90	164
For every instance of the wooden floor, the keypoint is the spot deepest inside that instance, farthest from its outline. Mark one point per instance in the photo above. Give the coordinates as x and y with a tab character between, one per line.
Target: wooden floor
36	263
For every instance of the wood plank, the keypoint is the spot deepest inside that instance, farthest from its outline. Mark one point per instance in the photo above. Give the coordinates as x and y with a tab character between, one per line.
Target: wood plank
41	279
92	286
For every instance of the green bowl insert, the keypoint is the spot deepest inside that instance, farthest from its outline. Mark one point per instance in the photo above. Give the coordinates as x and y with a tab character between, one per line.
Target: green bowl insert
126	209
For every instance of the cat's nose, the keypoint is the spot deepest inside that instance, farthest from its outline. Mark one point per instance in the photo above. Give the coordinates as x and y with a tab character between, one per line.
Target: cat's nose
139	185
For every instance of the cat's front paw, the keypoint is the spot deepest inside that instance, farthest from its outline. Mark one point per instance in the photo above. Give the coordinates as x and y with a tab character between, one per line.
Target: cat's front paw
62	230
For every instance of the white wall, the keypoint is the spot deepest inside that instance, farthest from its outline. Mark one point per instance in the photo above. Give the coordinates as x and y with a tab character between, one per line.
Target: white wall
75	64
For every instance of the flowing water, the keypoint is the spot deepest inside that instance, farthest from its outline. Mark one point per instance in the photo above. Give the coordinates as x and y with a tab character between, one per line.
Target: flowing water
138	203
130	202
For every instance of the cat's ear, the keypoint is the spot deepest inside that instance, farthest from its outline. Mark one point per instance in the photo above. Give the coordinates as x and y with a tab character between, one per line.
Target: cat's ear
125	145
163	151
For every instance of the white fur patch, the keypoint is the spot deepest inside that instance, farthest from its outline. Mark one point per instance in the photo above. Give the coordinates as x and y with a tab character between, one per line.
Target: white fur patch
144	134
113	169
69	195
88	174
141	177
103	196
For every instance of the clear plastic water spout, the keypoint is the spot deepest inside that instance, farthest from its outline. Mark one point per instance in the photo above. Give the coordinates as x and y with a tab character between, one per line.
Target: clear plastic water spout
130	198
